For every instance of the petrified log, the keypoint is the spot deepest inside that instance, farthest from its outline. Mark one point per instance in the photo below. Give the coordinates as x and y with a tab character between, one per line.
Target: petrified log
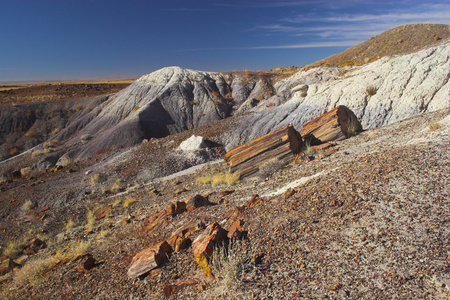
281	145
337	124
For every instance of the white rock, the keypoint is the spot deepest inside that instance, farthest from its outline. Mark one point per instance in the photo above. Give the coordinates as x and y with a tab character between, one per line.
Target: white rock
193	143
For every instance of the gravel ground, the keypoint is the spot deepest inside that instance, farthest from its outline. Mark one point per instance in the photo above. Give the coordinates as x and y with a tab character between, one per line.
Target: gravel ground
373	223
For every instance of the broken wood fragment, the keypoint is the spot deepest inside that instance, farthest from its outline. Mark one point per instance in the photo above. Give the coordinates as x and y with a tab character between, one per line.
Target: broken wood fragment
337	124
280	145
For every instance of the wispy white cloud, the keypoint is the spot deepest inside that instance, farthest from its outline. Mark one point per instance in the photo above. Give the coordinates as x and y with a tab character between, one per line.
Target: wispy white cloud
338	25
267	3
347	43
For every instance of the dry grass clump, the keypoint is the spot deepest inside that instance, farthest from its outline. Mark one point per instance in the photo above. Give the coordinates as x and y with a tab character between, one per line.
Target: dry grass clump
51	144
65	161
232	266
70	224
25	171
90	221
102	234
34	271
27	205
371	90
372	133
37	153
115	188
116	202
31	133
221	178
94	179
127	202
350	129
85	137
434	126
55	131
13	248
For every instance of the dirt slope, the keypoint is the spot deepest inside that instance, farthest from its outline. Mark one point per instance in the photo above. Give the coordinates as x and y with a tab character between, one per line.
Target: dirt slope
370	222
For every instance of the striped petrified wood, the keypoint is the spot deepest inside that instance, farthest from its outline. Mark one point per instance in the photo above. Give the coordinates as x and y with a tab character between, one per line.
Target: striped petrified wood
282	145
337	124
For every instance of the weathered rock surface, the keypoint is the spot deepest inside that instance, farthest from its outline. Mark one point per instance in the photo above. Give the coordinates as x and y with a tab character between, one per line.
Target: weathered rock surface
164	102
405	86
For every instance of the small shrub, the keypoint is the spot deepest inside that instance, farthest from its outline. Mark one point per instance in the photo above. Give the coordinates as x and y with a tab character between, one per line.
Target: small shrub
37	153
232	267
13	248
371	90
25	171
115	188
95	178
55	131
216	102
52	144
27	205
372	133
127	202
85	137
70	224
90	221
31	133
350	129
65	161
434	126
13	151
116	202
436	38
102	234
34	271
77	108
136	108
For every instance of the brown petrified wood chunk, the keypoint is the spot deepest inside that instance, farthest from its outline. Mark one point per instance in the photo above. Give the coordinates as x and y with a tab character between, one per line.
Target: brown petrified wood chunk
280	145
337	124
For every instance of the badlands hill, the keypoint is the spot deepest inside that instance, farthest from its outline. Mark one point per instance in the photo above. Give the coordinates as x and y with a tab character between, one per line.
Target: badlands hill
368	220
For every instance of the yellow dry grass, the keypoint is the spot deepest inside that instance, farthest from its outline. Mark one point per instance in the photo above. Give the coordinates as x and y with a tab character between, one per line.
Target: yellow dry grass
222	178
90	221
127	202
34	271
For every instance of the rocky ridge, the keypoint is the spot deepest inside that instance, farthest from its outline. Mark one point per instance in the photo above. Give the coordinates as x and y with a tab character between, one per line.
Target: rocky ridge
379	93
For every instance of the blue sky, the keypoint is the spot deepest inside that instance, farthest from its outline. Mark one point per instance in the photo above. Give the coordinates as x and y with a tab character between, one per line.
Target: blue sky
82	39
